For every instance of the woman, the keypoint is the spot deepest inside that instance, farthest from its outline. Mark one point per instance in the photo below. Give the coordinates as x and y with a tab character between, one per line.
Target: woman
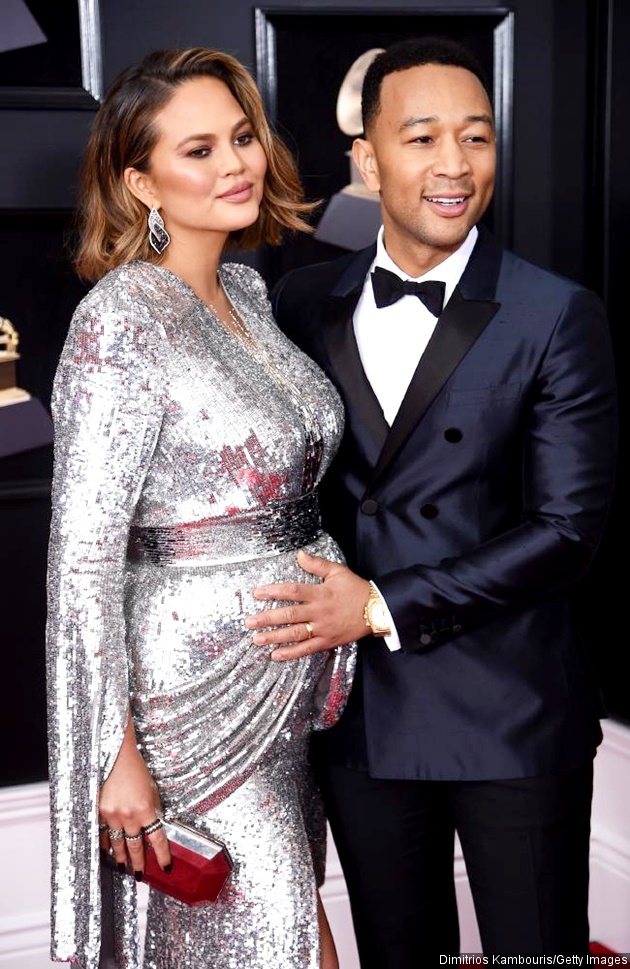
189	438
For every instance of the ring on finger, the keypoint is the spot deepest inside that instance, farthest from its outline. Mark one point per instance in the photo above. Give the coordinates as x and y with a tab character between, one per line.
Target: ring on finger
102	826
116	834
309	630
154	826
133	837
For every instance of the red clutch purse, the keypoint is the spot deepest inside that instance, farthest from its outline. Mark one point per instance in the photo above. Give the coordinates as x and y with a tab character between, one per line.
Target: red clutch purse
201	865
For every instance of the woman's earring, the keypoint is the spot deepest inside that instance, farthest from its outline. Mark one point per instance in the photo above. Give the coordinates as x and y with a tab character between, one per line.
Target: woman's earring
158	236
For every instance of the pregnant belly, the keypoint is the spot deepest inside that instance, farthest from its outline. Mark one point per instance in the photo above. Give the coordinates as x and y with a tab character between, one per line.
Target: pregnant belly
207	703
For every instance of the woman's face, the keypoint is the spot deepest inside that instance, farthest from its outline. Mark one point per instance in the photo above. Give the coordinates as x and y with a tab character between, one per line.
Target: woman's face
207	169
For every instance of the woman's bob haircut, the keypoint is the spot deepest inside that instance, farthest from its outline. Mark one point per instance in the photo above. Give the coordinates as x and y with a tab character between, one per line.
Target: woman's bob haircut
112	223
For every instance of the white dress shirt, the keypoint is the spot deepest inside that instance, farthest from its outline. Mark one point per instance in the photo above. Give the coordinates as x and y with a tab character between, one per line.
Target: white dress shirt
391	340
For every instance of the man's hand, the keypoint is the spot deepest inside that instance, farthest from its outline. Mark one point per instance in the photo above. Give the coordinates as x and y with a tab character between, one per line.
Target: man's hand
322	616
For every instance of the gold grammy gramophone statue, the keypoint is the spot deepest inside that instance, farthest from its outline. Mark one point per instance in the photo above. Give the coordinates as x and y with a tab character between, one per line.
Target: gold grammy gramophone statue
353	215
349	117
10	393
24	421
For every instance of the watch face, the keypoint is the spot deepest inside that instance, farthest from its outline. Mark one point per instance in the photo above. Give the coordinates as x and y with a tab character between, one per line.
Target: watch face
378	618
378	615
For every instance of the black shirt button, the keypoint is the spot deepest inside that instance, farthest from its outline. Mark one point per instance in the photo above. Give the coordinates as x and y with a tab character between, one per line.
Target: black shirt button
426	639
369	506
453	435
429	511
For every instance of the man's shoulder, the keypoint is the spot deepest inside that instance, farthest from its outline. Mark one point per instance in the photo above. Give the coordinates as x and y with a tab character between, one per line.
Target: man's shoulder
517	271
318	279
517	276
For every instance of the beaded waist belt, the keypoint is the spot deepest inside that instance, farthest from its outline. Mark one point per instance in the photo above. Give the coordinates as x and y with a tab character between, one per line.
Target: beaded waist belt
278	527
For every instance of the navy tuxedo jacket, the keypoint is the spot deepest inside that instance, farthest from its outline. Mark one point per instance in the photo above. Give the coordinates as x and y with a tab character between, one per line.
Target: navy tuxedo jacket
474	513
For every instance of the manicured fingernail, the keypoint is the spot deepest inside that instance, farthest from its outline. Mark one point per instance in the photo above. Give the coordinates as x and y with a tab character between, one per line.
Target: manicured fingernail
138	875
122	868
168	868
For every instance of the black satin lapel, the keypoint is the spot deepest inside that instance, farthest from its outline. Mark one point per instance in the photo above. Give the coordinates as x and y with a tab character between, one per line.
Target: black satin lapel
458	327
345	361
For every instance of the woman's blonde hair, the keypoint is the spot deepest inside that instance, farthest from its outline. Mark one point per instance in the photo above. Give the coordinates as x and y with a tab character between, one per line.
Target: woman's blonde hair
111	221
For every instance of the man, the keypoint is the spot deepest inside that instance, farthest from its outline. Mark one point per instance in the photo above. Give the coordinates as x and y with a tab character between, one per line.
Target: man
472	487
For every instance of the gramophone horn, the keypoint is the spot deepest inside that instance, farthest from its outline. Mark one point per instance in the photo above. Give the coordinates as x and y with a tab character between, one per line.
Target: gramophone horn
349	97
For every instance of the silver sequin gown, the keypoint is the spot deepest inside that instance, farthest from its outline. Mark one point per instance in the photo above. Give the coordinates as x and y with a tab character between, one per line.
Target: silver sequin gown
185	466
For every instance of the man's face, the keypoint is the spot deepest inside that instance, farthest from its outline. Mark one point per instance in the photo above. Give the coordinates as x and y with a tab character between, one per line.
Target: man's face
431	154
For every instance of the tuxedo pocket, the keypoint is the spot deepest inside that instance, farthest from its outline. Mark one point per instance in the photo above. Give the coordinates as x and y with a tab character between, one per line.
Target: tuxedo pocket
475	396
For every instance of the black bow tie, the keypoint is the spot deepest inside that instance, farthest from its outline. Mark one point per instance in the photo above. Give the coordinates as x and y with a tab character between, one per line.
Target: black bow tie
388	287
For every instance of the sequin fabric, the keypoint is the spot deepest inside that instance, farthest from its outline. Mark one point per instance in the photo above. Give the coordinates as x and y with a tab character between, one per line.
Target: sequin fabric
186	462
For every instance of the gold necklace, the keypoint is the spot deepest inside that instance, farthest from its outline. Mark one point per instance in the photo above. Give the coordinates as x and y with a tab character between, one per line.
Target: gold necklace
236	325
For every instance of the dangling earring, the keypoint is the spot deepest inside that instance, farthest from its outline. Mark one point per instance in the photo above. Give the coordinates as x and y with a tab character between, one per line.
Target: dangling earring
158	236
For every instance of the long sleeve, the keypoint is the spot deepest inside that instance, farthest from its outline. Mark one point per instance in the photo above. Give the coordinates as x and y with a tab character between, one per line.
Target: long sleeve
107	411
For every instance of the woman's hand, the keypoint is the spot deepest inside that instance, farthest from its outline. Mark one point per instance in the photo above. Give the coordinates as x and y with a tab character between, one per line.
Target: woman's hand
128	803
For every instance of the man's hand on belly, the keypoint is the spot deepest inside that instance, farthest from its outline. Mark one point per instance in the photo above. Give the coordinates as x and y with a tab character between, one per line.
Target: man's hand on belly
321	615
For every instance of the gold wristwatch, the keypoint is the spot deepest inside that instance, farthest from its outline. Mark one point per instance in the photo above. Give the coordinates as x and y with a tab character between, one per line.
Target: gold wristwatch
375	615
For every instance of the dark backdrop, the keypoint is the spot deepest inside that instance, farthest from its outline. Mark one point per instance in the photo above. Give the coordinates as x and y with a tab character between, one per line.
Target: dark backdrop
568	204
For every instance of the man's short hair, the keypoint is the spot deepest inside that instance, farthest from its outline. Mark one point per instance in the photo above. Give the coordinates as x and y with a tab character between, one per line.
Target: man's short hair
413	53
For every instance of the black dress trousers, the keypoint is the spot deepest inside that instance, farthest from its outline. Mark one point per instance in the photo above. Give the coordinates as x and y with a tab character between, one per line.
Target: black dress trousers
526	848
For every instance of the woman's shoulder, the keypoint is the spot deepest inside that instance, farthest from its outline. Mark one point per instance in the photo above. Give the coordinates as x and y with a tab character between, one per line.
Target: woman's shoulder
121	313
245	277
134	286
